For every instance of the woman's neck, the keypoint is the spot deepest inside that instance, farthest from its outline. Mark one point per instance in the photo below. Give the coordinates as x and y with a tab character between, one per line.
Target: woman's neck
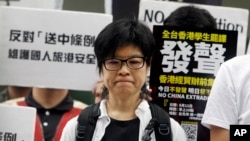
121	109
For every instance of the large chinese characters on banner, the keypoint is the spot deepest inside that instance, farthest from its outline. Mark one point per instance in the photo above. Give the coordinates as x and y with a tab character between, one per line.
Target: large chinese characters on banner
183	70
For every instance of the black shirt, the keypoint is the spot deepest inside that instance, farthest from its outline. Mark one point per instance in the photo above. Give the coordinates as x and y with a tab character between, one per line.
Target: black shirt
122	130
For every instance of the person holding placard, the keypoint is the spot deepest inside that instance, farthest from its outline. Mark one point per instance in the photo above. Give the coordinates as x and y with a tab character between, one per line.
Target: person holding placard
229	91
54	108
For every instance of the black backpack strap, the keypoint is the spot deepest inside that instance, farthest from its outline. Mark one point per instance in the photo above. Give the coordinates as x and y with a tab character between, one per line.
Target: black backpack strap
87	122
160	123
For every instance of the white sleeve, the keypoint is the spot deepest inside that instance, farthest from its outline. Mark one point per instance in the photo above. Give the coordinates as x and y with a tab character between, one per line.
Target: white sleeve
178	133
221	107
69	131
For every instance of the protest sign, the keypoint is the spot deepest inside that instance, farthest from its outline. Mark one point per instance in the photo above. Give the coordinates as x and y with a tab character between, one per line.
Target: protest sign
17	123
227	18
49	48
183	71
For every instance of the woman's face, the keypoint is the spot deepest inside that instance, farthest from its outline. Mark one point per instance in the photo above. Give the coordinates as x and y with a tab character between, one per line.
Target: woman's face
125	81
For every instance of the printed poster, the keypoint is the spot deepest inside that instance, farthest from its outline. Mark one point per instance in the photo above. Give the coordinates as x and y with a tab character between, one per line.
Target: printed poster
183	71
227	18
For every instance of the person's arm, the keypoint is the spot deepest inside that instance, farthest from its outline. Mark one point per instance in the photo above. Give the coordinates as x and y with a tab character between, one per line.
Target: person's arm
219	134
18	91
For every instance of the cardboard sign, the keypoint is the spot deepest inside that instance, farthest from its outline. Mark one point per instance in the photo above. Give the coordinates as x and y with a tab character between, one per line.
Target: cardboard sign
49	48
17	123
183	71
227	18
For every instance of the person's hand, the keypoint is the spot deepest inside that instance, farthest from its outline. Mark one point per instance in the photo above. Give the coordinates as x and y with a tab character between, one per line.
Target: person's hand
147	95
97	90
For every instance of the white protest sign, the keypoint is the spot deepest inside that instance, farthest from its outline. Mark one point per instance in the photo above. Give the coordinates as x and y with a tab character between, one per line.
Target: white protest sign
49	48
17	123
47	4
227	18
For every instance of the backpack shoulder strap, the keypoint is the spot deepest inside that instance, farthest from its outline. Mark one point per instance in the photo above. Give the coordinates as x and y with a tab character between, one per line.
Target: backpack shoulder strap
160	122
87	122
